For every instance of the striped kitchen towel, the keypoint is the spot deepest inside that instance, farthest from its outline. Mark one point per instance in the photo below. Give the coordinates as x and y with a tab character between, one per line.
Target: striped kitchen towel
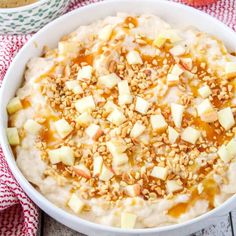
18	214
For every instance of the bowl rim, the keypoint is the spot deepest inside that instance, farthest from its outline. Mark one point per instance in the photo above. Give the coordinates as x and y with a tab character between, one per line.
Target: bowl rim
23	8
47	205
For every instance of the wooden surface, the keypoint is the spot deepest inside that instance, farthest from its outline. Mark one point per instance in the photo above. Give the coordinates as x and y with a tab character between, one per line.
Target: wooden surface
226	226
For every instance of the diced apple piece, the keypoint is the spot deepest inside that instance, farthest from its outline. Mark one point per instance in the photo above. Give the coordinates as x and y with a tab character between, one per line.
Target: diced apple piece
191	135
159	172
173	186
187	63
178	50
159	41
74	86
110	106
210	116
224	154
231	147
133	190
63	128
141	105
54	157
204	107
226	118
13	136
14	105
75	203
67	155
94	131
97	165
63	154
82	171
32	127
134	58
172	79
170	35
84	119
105	33
177	111
144	138
204	91
66	48
85	73
85	104
177	70
158	123
123	87
109	81
106	174
119	159
116	146
125	99
137	129
128	220
172	135
116	117
124	93
228	152
230	69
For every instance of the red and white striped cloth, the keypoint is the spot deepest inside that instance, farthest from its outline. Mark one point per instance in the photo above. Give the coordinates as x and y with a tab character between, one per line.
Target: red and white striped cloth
18	214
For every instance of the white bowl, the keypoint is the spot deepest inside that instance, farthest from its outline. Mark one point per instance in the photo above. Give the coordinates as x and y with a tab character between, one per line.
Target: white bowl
173	13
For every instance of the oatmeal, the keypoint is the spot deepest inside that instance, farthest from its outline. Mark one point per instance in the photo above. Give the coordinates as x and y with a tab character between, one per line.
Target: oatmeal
129	122
15	3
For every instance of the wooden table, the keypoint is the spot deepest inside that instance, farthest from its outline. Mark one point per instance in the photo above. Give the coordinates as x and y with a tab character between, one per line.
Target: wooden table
226	226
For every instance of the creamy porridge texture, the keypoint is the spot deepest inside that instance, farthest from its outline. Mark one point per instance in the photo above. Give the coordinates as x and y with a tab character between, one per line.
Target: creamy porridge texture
129	122
15	3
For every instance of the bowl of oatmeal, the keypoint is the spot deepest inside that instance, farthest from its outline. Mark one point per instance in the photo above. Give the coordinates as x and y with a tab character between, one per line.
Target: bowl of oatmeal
124	123
28	16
